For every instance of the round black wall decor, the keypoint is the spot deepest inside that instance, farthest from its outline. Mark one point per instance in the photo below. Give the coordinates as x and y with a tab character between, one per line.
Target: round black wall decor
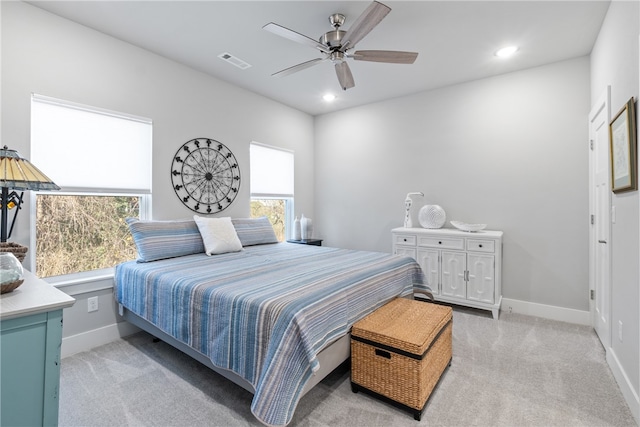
205	175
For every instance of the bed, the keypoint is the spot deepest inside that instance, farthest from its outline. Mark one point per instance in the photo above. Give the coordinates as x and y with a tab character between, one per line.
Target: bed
272	317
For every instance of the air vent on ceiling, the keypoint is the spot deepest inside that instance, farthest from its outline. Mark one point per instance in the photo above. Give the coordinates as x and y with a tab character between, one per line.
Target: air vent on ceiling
234	60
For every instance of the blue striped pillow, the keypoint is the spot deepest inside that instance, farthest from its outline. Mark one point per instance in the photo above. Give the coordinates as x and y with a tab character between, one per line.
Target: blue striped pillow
254	231
165	239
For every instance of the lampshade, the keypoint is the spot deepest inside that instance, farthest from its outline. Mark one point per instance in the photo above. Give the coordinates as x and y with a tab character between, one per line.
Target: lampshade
18	173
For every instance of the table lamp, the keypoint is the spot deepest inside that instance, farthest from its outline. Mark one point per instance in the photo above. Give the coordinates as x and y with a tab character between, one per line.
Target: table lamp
17	173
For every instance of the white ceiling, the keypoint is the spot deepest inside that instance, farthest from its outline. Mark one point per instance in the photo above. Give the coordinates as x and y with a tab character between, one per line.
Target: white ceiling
456	41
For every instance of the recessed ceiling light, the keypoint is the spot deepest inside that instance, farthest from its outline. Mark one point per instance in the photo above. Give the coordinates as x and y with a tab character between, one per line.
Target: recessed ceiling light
505	52
329	97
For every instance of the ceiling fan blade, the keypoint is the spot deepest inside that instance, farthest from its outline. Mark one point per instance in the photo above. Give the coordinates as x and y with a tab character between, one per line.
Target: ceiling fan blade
364	24
296	37
344	75
298	67
390	56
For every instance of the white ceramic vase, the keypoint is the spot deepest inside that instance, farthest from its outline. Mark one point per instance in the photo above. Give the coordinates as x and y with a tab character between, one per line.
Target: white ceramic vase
306	227
296	229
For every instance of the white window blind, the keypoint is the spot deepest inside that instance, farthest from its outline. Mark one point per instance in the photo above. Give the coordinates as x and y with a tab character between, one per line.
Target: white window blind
271	171
84	148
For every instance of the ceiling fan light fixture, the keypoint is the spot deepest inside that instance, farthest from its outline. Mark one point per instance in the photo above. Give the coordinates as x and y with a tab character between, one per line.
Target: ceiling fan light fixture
506	52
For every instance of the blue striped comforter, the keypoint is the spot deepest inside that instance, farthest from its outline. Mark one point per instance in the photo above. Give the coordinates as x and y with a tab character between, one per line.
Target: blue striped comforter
265	312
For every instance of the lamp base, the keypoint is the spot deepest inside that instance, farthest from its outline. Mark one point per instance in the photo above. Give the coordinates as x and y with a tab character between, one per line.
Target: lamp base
17	250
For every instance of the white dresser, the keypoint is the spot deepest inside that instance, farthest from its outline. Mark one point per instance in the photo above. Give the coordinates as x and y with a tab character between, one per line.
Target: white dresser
460	267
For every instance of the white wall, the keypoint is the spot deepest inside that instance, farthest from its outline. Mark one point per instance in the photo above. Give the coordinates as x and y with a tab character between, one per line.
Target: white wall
614	62
509	151
44	54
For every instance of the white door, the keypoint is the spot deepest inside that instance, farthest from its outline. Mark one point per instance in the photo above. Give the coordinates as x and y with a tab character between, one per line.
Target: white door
600	228
428	260
453	270
481	278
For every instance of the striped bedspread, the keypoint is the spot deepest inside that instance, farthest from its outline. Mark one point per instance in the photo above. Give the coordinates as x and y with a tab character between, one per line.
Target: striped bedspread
265	312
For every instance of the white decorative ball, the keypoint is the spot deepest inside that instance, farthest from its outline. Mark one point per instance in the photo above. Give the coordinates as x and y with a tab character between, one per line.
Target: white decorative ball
432	216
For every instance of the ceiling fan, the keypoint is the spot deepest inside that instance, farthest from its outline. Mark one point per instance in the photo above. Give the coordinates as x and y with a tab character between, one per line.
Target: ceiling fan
336	45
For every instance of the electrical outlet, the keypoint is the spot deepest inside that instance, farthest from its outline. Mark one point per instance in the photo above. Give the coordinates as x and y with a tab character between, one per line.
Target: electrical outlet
92	304
620	330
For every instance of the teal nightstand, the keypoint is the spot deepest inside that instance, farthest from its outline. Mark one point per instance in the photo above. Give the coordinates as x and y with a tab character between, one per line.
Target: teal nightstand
30	341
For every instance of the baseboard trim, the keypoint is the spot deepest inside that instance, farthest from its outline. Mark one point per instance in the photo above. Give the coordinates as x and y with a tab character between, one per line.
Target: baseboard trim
630	395
552	312
96	337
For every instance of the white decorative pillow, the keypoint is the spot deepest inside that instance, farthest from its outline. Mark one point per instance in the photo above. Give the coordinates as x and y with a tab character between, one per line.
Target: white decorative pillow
218	234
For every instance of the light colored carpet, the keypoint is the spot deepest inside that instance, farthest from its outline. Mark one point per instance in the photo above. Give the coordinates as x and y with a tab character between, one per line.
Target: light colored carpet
516	371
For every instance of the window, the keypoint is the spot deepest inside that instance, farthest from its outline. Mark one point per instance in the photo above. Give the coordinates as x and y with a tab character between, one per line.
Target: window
272	186
102	162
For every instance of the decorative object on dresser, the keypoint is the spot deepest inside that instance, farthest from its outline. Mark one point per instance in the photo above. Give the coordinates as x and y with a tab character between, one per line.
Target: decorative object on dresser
30	341
17	173
622	137
407	208
460	267
468	227
205	175
11	273
432	216
400	351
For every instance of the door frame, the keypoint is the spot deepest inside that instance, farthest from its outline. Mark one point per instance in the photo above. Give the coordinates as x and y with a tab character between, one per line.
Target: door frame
602	103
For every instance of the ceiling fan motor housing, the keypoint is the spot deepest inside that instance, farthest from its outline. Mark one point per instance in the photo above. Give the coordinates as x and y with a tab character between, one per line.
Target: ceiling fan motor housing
333	39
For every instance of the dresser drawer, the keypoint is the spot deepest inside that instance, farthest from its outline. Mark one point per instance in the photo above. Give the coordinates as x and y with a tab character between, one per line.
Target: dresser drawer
441	242
404	239
481	245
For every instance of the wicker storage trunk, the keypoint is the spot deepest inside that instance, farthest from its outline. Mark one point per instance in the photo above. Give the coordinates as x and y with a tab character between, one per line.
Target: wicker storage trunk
399	352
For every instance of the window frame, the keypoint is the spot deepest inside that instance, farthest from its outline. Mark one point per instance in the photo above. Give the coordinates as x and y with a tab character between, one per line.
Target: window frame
289	199
288	212
144	195
80	276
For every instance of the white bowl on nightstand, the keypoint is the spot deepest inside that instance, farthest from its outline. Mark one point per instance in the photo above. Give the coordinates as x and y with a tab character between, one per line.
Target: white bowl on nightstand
468	227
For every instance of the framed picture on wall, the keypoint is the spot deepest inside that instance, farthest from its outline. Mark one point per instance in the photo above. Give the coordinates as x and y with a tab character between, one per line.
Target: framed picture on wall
622	139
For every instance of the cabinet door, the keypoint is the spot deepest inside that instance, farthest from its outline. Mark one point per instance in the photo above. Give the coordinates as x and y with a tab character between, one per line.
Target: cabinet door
428	260
481	284
30	369
453	272
404	250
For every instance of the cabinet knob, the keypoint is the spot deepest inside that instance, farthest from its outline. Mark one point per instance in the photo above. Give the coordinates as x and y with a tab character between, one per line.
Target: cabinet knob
404	240
480	245
439	243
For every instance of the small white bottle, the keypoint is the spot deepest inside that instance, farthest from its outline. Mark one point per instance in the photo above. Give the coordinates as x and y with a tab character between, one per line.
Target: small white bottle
296	229
309	229
303	227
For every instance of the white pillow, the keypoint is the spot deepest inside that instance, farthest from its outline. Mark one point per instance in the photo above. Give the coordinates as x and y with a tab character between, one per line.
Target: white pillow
218	234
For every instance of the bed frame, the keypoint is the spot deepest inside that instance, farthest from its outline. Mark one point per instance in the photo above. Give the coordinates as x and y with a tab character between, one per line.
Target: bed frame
330	357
